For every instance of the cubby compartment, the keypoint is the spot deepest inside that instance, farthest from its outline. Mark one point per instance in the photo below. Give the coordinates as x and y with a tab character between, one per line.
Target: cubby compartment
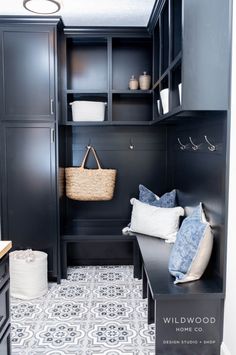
165	95
130	56
156	46
87	64
165	37
176	87
86	97
176	27
157	106
132	108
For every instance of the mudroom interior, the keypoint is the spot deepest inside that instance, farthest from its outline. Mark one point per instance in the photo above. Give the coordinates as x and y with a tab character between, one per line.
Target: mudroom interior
114	172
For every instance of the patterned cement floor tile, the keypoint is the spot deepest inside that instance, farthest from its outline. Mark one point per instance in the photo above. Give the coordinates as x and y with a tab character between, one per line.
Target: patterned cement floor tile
66	310
110	310
97	311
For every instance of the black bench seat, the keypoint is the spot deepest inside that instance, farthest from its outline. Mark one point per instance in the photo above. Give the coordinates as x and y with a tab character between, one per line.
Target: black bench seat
155	255
187	316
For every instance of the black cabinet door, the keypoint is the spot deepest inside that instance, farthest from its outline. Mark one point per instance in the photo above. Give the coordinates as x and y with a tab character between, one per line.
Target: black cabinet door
27	73
29	201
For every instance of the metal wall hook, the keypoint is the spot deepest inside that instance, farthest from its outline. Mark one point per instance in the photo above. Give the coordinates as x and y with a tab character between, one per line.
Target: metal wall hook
131	145
194	146
89	143
211	147
182	146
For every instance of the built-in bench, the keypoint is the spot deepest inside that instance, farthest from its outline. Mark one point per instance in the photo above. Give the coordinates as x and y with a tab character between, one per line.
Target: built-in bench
187	317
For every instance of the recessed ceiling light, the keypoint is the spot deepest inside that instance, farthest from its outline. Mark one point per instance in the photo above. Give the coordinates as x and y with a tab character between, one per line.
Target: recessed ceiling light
42	7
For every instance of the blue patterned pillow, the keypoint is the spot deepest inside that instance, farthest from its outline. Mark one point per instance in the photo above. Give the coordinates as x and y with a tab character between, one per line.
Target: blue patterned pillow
168	200
192	249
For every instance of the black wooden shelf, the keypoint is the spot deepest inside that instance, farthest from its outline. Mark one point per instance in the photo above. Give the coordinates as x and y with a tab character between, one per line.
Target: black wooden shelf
179	112
175	112
94	92
108	123
132	92
87	123
171	115
131	123
165	74
95	227
73	238
125	91
176	60
173	64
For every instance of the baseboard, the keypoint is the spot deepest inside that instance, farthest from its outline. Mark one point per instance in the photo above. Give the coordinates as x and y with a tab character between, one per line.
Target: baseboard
224	350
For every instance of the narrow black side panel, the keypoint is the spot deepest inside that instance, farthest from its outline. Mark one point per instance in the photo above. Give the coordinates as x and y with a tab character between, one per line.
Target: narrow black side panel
188	327
199	175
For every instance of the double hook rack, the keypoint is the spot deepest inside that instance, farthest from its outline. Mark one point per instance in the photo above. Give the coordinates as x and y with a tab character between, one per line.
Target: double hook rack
194	146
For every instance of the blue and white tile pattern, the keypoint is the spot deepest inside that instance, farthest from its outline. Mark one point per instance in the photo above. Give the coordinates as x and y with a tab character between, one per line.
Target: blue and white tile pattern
97	311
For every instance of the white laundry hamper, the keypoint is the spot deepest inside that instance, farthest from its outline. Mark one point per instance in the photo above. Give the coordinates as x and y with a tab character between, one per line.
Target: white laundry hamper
28	274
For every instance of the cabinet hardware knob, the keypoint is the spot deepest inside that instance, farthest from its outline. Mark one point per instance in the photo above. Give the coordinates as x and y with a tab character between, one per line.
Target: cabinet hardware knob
52	135
52	111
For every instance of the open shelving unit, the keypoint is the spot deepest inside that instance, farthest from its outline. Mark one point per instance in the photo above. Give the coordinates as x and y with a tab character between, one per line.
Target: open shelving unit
168	57
99	69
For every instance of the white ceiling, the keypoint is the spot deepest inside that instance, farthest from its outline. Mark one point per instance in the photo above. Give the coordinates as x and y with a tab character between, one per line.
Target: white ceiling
93	12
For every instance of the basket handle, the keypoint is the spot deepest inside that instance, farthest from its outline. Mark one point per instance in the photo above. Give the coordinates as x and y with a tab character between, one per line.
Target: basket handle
89	148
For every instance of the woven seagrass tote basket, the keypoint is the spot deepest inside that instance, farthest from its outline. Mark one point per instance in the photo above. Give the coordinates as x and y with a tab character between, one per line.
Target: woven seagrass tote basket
84	184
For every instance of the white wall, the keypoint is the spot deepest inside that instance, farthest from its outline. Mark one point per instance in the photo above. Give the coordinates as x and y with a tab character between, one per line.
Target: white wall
229	341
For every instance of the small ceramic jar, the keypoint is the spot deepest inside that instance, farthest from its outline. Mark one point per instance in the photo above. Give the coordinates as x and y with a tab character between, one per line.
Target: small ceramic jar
133	83
144	81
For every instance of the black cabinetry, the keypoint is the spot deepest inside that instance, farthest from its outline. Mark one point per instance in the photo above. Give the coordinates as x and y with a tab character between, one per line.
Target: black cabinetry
5	344
27	63
191	44
28	113
29	187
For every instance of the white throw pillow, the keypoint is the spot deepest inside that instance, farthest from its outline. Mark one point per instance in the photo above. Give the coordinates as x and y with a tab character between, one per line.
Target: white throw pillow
155	221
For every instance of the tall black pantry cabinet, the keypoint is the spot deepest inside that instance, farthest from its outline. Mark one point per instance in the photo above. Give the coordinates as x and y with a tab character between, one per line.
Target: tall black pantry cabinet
28	112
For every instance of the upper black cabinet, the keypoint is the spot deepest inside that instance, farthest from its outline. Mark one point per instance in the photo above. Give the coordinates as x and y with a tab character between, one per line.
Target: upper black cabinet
191	58
27	72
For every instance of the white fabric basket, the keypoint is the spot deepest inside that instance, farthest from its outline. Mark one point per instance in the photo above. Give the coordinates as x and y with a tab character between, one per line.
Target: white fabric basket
28	274
88	110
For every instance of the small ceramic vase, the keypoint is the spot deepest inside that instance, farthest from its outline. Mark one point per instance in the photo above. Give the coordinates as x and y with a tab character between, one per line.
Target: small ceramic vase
133	83
144	81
